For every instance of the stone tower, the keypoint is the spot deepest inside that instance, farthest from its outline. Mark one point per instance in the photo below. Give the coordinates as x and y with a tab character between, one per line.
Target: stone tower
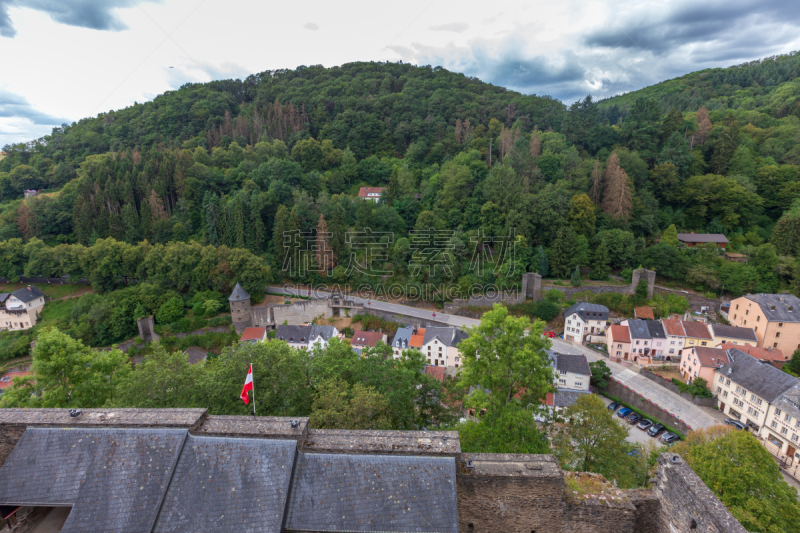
241	312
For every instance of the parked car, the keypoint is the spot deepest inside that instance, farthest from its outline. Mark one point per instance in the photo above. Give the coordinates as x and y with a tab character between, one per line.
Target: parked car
668	438
550	334
622	413
735	423
655	430
634	418
635	453
644	424
613	406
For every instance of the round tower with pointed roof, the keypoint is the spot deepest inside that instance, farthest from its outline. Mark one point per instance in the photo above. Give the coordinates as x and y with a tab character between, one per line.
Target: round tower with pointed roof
241	312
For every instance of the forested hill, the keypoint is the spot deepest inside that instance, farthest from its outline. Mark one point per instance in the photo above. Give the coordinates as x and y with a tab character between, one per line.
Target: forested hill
769	84
194	188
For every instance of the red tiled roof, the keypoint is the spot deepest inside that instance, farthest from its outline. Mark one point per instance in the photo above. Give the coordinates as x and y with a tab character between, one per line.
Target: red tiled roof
620	333
713	357
436	372
697	330
11	375
418	339
253	334
644	312
363	192
765	354
673	327
366	338
550	399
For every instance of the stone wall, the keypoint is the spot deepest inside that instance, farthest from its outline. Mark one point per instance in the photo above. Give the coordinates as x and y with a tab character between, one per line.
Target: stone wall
627	395
300	312
262	317
147	328
511	493
599	516
687	504
669	385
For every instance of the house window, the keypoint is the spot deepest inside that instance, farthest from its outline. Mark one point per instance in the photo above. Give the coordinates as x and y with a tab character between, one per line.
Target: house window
721	379
619	353
794	437
774	424
619	346
778	412
753	398
719	389
788	418
738	390
783	431
780	324
747	312
737	306
562	381
637	342
744	393
563	372
727	382
774	344
703	343
672	350
578	384
749	410
734	317
778	335
725	394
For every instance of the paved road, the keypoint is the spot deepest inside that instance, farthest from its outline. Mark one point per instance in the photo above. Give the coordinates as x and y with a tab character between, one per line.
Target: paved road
692	415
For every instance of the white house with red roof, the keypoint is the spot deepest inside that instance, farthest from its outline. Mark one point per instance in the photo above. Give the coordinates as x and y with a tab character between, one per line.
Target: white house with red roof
371	193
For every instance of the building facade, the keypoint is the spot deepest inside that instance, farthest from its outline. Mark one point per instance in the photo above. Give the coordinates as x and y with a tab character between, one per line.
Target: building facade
701	362
722	333
775	318
306	337
440	346
618	341
21	309
582	319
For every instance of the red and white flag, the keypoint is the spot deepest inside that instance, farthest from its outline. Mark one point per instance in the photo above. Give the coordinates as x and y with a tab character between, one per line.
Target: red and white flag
248	385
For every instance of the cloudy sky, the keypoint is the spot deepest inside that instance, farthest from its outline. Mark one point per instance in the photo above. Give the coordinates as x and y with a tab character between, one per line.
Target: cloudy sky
68	59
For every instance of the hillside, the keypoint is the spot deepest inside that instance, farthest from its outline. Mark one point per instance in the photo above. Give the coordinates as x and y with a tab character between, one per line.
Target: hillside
769	85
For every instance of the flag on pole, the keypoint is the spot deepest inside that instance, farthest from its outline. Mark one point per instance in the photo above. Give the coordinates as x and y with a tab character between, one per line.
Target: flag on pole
248	385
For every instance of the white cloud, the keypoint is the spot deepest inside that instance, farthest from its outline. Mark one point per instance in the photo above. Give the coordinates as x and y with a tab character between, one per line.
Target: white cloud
71	66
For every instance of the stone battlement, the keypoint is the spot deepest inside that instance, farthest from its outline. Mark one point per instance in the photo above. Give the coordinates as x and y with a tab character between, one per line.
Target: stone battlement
494	492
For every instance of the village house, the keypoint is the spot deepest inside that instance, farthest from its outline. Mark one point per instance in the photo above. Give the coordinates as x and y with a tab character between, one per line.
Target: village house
721	333
371	193
775	318
676	337
618	341
440	346
363	340
582	319
772	356
648	339
306	337
571	380
253	335
701	362
402	338
694	239
21	309
781	433
746	387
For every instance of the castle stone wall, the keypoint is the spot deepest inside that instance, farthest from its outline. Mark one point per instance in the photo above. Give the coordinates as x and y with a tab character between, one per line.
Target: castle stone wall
627	395
300	312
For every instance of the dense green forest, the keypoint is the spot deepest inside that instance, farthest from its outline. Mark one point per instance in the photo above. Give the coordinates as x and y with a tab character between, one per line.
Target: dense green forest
193	189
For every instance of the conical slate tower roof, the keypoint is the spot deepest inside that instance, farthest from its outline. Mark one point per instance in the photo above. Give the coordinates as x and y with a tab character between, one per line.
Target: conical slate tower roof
238	294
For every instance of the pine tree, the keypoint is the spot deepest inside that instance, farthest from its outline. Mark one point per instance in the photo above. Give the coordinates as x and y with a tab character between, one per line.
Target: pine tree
597	182
575	280
540	263
130	224
257	231
670	236
237	222
617	197
210	207
726	145
279	229
601	263
563	251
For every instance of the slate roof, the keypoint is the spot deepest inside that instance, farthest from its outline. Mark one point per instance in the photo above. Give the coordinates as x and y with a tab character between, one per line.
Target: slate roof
638	329
4	296
696	330
588	311
292	333
711	357
366	338
28	294
238	294
656	329
776	306
403	337
115	479
355	493
447	336
732	332
566	398
789	401
702	237
572	363
620	333
228	484
195	354
326	332
762	379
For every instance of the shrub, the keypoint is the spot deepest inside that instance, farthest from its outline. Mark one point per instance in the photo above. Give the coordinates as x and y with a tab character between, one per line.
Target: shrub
220	321
546	310
171	311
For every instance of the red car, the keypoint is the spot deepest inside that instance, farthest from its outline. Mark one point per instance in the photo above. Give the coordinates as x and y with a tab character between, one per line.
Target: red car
549	334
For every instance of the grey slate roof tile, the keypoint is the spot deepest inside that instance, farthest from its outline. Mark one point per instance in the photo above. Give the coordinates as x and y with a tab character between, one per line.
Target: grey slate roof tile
588	311
366	493
115	479
778	307
228	484
448	336
756	376
733	332
238	294
572	363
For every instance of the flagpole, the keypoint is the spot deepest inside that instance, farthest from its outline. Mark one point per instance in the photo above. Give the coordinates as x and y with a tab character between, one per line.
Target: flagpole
254	388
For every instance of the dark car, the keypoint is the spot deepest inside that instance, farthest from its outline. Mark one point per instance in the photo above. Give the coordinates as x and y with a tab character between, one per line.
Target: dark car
622	413
634	418
644	424
735	423
655	430
668	438
613	406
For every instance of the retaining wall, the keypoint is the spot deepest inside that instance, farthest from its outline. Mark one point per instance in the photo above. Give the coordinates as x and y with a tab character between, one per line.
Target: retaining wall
669	385
629	396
